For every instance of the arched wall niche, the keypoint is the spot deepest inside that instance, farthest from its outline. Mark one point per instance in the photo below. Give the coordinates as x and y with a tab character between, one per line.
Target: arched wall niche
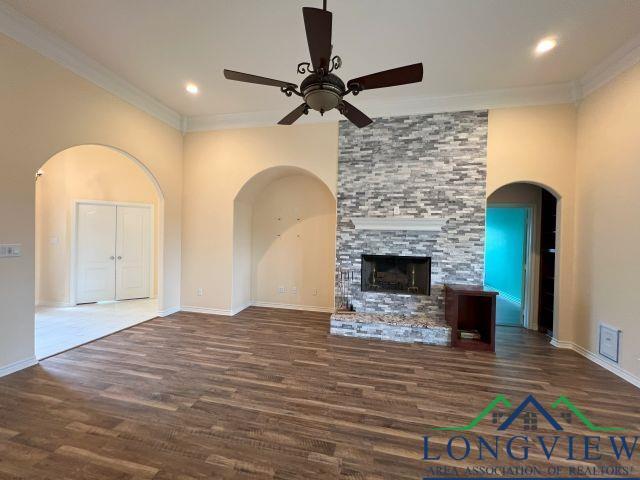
284	237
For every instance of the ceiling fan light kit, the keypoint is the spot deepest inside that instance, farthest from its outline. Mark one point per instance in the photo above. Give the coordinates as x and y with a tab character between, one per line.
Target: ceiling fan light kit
322	90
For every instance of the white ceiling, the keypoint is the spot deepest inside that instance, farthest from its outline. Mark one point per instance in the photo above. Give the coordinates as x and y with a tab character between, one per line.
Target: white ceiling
466	45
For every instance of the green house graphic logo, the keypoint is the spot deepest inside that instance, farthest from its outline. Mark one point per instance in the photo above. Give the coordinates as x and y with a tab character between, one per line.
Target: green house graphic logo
530	402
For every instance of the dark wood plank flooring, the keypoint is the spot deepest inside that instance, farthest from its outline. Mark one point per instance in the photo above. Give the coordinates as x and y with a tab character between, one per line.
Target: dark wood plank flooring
269	394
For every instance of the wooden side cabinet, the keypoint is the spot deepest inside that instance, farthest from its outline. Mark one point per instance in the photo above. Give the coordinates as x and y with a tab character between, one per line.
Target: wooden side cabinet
470	311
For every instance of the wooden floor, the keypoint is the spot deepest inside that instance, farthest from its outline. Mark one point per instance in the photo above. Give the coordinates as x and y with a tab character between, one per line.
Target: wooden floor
269	394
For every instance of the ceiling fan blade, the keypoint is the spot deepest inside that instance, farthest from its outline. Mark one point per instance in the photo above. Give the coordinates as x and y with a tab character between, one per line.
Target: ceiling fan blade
354	115
294	115
388	78
318	24
245	77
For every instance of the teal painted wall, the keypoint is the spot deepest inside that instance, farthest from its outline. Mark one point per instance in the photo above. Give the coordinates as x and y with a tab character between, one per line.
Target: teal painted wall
505	246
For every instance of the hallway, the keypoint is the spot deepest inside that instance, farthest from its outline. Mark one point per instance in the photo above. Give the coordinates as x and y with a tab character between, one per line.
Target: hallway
61	328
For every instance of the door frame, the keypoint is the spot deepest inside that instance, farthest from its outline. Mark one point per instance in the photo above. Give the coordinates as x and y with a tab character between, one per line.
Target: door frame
529	320
73	254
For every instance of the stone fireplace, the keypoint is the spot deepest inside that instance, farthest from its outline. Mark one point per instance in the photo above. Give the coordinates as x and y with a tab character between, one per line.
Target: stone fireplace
411	187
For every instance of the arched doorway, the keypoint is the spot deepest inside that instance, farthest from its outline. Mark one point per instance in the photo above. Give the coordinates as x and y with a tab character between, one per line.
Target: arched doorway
98	246
284	241
520	254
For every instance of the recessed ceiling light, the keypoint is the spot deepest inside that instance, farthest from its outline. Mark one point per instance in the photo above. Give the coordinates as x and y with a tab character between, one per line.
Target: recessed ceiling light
192	88
545	45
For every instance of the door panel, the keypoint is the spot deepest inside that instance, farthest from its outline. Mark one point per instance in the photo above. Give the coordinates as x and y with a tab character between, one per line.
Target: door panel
133	252
96	253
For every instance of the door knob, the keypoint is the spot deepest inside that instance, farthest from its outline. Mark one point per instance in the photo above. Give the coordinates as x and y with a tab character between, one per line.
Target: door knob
119	257
112	257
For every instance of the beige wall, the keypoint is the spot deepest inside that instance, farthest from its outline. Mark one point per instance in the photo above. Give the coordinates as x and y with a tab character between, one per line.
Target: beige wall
538	145
87	172
294	238
587	157
47	109
216	167
608	216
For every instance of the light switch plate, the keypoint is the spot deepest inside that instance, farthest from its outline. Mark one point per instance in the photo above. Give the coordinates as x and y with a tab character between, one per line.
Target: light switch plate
11	250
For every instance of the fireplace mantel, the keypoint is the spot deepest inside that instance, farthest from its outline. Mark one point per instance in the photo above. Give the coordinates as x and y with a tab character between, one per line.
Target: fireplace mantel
422	224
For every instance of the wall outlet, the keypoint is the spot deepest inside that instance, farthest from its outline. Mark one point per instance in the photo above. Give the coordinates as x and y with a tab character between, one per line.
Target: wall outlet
200	292
13	250
294	290
315	292
282	290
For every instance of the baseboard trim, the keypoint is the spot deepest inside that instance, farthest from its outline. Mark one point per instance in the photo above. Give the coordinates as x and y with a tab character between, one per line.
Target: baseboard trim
207	310
235	311
45	303
290	306
612	367
168	311
19	365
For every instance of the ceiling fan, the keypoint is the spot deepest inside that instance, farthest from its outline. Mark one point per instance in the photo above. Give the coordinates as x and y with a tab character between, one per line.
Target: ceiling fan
322	90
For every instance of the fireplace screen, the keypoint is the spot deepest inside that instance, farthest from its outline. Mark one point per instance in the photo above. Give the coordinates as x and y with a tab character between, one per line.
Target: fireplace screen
396	274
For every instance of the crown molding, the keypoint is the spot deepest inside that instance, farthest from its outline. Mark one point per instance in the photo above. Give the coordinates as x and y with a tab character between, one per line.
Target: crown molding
29	33
491	99
613	65
26	31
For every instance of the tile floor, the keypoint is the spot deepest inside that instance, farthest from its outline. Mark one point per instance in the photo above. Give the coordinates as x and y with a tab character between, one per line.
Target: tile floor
508	312
61	328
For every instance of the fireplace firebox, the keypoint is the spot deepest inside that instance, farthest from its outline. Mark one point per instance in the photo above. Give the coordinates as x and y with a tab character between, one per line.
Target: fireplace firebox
396	274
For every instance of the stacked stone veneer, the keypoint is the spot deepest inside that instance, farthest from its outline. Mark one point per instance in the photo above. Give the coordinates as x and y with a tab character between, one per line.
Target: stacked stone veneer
407	329
428	165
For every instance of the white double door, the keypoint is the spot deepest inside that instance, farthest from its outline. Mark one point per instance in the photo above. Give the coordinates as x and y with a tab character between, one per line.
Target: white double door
113	253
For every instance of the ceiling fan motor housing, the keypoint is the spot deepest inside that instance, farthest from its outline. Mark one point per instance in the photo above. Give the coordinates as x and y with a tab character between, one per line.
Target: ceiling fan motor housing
322	92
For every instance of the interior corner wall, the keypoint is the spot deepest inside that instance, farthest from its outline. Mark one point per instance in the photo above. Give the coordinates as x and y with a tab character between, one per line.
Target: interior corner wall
242	255
49	109
217	164
538	145
608	216
86	172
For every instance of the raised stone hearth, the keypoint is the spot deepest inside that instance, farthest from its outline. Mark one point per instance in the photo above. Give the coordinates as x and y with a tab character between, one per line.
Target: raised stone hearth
407	328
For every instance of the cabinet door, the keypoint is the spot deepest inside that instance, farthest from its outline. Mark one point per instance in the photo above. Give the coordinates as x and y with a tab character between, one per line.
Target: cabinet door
96	250
133	252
